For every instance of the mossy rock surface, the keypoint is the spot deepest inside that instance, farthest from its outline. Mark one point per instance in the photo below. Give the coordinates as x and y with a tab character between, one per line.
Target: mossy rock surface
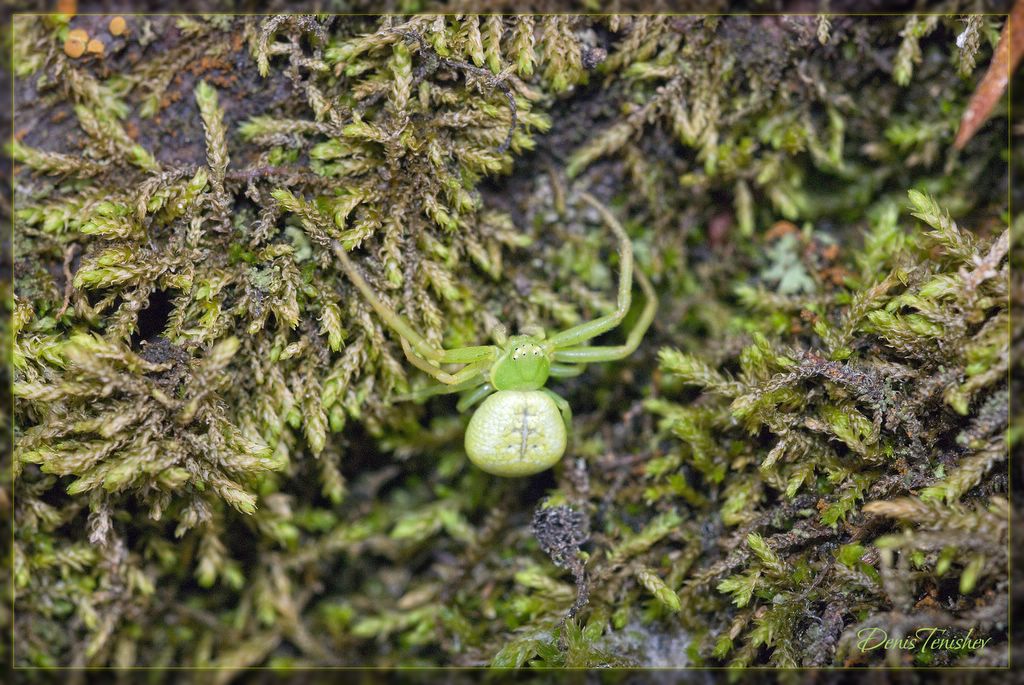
213	465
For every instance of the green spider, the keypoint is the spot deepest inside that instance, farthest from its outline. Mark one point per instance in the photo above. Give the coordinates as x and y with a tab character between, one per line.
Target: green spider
522	427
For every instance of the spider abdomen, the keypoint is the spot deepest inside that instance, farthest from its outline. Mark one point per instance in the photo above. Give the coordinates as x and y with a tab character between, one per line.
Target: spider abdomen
516	433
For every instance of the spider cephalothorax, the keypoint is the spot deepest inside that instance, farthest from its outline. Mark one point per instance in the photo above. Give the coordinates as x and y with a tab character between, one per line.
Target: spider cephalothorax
522	364
522	427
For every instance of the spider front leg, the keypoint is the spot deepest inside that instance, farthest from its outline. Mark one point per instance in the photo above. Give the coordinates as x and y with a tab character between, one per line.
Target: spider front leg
565	343
476	359
405	330
587	354
592	329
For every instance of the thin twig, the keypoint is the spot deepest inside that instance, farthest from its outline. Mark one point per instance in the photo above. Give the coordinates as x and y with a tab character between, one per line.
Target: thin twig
69	287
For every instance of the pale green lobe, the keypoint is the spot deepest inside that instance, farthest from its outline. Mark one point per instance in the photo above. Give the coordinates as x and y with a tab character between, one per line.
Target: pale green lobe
516	433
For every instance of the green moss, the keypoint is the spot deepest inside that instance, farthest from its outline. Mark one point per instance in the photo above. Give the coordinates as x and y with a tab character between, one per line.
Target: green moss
213	465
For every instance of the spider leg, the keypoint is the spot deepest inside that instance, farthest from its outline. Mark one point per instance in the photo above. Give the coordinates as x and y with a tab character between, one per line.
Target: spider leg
586	354
423	394
591	329
471	369
472	398
566	370
563	407
405	330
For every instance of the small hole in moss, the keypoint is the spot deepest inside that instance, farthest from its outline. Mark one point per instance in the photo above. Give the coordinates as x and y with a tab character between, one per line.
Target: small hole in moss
153	319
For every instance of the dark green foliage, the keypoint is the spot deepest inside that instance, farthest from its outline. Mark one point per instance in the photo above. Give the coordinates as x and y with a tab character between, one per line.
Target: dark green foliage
863	402
212	469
